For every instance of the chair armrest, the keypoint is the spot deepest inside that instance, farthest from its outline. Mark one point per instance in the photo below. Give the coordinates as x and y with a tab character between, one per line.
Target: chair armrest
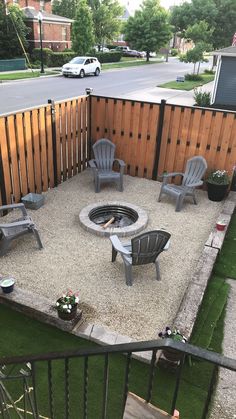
92	164
20	206
193	185
118	245
17	224
121	162
167	175
167	245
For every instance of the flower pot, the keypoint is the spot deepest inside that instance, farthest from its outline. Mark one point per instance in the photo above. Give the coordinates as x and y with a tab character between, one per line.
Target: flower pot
220	225
172	355
7	285
68	316
216	192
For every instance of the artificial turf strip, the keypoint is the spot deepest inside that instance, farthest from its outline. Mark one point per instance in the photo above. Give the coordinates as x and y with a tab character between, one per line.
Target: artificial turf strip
226	263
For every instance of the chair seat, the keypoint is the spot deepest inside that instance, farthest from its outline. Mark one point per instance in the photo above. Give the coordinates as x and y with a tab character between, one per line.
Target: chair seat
177	189
108	174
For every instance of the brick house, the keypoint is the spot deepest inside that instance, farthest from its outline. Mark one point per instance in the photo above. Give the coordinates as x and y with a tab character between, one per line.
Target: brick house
56	30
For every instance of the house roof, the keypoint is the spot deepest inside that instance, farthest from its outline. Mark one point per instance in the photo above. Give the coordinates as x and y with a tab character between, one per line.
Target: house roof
228	52
32	14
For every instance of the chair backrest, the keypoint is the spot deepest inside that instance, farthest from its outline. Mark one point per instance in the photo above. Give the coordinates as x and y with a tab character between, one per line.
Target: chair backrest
195	170
104	152
147	246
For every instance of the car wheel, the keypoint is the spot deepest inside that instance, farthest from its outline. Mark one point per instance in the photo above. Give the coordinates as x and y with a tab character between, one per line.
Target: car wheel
82	74
65	75
97	71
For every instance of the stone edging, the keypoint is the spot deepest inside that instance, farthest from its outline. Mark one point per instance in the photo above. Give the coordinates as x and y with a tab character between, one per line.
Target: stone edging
193	296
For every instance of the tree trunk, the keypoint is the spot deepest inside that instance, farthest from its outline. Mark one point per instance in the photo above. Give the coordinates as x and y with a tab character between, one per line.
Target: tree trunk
148	55
198	69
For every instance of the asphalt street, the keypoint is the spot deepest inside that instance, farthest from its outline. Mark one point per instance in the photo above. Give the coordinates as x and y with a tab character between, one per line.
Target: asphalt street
127	82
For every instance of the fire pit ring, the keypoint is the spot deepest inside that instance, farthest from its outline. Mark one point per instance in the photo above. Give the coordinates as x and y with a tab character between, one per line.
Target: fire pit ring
122	219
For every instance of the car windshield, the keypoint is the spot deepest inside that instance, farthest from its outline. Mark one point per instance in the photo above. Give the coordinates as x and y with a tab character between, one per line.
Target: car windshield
77	60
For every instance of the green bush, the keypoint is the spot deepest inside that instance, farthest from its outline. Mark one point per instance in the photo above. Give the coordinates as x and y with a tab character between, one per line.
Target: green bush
58	59
193	77
174	52
108	57
36	55
209	71
202	98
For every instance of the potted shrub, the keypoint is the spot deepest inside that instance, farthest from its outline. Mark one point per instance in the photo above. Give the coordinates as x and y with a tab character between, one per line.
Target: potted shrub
169	353
67	305
217	185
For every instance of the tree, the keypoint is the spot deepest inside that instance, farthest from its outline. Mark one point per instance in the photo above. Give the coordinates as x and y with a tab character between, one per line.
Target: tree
195	56
149	29
82	30
66	8
200	32
219	14
11	23
106	20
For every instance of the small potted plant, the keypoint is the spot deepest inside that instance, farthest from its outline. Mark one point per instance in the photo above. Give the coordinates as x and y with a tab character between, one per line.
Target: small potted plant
67	305
169	353
217	185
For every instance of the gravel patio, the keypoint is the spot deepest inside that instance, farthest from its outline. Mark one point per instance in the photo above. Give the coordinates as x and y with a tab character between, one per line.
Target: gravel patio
75	259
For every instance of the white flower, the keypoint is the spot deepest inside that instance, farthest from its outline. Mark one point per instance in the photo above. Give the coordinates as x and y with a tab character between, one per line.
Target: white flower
58	304
169	332
69	306
68	311
76	299
65	306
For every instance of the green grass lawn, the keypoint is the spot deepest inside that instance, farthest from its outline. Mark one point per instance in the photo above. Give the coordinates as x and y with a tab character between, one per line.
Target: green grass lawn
25	75
21	335
130	63
188	85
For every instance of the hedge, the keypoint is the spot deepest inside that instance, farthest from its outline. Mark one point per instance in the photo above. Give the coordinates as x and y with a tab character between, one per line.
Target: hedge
57	59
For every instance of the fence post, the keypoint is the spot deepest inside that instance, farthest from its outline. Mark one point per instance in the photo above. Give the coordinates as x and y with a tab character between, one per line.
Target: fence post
2	183
88	91
54	140
158	139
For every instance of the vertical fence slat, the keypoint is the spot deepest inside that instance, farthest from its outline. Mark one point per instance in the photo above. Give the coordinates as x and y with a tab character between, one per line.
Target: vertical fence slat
74	136
29	151
58	141
43	149
5	161
63	140
142	142
164	140
151	143
14	158
49	133
21	147
69	141
36	148
79	136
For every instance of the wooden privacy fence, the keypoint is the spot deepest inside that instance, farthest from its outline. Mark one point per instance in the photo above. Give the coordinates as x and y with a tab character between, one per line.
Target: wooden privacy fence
153	138
41	147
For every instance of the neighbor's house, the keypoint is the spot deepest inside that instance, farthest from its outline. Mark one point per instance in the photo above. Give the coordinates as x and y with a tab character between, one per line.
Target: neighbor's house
56	30
224	90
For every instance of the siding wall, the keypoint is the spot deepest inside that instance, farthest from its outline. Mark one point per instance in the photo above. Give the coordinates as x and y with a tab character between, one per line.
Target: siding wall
226	88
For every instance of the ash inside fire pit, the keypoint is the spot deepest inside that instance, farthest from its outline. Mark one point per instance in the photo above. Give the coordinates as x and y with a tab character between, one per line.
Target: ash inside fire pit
104	219
113	216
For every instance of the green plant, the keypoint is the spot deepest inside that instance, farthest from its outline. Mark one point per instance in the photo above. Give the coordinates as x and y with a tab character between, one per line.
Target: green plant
174	52
67	301
206	71
219	177
193	77
174	334
202	98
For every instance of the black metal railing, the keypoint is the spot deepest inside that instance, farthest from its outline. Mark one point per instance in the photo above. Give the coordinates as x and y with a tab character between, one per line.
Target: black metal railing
28	384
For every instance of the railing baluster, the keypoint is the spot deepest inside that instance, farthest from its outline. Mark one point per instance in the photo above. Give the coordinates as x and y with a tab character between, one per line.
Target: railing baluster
66	388
210	391
85	387
126	386
34	389
105	388
24	392
50	390
151	375
180	368
2	402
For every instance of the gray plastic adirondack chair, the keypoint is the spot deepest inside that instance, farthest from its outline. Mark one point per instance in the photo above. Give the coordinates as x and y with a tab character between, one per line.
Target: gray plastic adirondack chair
141	250
102	165
12	230
195	170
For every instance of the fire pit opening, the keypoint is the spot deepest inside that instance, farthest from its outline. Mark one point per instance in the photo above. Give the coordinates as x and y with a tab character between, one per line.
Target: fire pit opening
113	218
113	215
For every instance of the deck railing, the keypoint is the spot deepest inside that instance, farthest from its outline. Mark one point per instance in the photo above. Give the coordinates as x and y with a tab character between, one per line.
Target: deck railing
45	395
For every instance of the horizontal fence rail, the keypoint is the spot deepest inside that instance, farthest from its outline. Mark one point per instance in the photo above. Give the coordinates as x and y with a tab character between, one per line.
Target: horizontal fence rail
53	384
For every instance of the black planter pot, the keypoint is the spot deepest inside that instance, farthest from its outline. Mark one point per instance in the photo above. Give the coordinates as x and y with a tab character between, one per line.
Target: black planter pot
68	316
216	192
7	285
172	355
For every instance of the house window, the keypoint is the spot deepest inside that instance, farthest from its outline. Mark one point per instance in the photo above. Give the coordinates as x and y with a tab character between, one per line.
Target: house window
64	33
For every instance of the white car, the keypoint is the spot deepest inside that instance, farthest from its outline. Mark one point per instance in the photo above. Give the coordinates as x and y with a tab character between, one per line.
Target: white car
81	66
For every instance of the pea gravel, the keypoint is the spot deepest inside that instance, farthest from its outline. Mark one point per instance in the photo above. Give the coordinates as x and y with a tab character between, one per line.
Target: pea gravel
74	259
